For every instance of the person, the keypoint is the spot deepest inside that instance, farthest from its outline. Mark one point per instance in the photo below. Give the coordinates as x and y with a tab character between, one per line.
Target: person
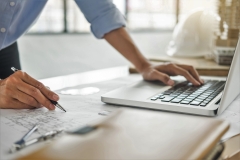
20	91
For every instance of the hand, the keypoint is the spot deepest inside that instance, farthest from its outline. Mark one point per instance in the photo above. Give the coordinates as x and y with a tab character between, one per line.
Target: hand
20	91
122	42
162	73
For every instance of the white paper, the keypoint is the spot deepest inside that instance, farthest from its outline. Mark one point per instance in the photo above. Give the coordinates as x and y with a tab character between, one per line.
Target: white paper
81	110
232	115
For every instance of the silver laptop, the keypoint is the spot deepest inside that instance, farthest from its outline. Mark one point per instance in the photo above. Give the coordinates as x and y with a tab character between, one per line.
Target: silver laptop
210	99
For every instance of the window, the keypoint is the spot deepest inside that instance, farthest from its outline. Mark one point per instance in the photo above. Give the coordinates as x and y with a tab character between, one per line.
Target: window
51	18
151	14
187	6
140	14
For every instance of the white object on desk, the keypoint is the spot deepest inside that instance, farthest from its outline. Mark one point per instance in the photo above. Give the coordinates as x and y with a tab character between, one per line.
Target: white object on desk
192	37
61	82
82	91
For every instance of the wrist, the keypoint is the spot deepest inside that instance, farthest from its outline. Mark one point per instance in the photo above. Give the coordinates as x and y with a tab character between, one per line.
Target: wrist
143	66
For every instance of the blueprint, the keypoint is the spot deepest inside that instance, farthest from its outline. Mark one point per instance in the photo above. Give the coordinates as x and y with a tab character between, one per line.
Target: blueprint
81	110
232	115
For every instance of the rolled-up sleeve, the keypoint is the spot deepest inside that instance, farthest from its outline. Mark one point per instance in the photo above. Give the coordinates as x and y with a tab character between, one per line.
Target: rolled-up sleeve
102	15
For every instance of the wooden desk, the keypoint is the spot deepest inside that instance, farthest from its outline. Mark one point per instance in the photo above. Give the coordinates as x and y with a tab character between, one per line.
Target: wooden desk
232	148
14	123
203	66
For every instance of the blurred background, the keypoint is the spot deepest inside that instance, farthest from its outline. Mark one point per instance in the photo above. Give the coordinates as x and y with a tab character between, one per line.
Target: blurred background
60	41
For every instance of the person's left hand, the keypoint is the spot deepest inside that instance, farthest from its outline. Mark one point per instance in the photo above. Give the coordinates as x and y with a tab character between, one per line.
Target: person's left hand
164	71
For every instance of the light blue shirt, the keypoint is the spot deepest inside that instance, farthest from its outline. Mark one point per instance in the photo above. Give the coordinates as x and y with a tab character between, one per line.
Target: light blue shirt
16	16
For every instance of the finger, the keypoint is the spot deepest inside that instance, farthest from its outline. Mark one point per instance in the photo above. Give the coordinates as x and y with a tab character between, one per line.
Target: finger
156	75
186	74
25	98
36	94
192	71
15	104
31	81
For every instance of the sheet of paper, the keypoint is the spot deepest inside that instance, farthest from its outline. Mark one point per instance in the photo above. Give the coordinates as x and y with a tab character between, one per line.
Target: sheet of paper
81	110
232	115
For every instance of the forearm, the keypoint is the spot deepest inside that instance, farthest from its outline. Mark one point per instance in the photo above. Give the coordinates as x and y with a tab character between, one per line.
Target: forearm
123	43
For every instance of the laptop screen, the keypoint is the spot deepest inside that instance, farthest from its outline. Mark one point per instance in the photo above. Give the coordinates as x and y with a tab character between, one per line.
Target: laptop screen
232	87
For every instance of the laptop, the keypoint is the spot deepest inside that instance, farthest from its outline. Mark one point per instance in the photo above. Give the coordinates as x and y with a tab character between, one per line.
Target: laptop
209	99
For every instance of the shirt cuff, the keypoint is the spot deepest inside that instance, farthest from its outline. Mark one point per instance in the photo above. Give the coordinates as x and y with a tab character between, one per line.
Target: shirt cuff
104	24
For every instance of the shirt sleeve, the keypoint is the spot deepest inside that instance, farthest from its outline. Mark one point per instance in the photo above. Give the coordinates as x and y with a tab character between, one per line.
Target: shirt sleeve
102	15
16	16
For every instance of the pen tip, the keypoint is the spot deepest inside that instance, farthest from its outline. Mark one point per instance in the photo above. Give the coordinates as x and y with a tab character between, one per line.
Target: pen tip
60	107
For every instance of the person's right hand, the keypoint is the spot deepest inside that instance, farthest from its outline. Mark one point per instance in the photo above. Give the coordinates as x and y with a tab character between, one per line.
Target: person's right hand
20	91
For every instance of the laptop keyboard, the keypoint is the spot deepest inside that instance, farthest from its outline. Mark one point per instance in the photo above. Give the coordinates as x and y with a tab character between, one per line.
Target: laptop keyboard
186	93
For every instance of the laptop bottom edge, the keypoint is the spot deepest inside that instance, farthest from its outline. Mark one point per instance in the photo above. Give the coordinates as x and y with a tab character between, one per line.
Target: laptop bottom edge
162	107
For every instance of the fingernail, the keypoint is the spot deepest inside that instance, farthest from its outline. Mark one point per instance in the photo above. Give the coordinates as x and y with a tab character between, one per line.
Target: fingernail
202	81
55	97
52	107
170	82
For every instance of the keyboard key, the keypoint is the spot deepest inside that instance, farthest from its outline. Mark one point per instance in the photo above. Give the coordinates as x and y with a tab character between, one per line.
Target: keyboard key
199	100
191	97
203	104
195	94
187	99
209	90
176	100
204	96
208	99
178	91
195	103
167	99
184	95
173	95
181	97
154	98
198	92
188	92
184	102
161	97
167	93
206	102
200	97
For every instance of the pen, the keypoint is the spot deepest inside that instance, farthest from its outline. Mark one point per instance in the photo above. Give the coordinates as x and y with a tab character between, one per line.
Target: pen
53	102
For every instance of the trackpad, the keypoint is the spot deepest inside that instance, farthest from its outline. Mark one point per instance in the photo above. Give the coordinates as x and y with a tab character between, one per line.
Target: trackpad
148	85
